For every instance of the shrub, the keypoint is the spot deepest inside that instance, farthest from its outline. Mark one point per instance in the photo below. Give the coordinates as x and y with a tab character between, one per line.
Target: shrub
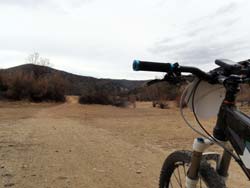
19	86
96	98
39	90
56	87
104	99
22	86
3	85
157	91
122	102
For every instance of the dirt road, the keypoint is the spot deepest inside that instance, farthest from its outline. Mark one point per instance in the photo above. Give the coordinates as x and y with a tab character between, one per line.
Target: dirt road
88	146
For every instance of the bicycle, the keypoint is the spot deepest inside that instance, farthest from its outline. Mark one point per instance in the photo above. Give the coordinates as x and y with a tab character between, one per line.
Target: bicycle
231	132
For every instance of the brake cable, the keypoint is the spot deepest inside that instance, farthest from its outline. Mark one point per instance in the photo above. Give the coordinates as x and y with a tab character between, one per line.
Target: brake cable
208	136
182	113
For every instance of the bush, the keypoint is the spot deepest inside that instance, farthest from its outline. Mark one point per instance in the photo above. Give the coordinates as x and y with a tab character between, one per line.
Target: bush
96	98
21	86
3	85
104	99
122	102
56	87
157	91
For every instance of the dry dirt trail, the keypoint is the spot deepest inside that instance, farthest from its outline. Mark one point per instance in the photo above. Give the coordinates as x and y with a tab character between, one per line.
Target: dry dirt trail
75	146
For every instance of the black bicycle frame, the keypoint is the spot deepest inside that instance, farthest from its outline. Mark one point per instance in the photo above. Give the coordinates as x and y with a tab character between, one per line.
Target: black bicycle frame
234	126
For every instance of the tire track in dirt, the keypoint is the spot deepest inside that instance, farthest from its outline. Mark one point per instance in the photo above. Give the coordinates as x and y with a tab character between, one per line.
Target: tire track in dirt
70	146
67	152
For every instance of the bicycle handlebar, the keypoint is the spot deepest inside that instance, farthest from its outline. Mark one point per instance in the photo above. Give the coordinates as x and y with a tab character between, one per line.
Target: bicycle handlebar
152	66
169	68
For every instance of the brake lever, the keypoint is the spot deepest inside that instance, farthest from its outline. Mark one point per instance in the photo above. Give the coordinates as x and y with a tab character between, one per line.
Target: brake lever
152	82
171	79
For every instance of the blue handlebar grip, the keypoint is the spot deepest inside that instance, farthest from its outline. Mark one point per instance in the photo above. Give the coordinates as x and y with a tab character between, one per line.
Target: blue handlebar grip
136	65
151	66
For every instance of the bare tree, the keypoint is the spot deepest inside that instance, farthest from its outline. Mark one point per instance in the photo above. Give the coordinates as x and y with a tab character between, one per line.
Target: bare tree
44	62
33	58
37	60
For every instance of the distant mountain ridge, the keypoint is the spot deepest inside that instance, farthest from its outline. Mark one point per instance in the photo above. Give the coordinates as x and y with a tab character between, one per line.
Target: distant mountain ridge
86	85
76	84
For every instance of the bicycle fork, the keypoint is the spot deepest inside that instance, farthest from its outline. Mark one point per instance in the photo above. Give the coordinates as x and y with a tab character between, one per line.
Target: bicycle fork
222	164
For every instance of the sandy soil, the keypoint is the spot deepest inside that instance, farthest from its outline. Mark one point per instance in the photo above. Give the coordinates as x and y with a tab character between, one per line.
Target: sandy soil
89	146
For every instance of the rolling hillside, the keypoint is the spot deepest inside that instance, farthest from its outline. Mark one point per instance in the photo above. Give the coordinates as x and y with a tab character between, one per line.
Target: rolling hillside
82	85
76	84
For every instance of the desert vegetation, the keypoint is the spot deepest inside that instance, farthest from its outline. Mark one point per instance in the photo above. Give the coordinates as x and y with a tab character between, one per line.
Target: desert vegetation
36	59
160	94
105	98
37	83
21	86
95	98
34	81
158	91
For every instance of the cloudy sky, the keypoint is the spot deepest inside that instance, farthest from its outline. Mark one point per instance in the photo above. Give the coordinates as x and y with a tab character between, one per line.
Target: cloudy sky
101	38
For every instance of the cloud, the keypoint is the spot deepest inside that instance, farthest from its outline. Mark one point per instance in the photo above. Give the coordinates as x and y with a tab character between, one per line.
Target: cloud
224	15
103	37
228	8
53	4
204	50
201	41
24	3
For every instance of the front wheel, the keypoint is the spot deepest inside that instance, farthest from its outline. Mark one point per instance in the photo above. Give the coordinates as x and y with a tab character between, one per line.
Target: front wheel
174	172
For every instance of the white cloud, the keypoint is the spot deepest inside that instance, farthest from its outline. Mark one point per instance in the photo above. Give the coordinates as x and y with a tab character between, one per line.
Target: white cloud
37	3
221	33
101	38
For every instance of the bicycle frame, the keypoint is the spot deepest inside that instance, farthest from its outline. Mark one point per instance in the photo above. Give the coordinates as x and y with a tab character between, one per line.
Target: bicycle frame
232	126
236	126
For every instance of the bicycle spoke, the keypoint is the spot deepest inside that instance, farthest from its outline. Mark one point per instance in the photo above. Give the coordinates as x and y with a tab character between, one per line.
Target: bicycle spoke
184	169
179	176
177	179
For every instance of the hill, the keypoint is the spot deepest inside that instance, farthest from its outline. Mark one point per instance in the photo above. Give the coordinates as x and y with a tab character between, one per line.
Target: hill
76	84
52	84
